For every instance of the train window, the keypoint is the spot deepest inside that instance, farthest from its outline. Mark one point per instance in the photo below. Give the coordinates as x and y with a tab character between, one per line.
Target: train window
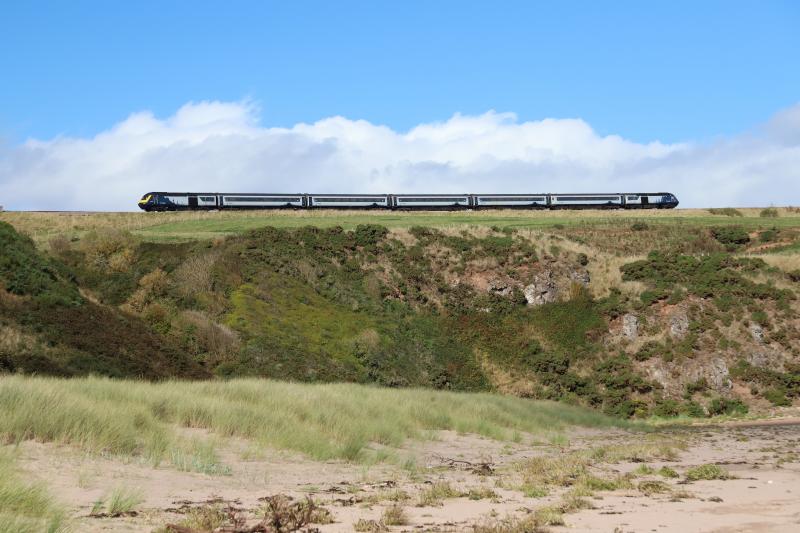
260	199
587	198
431	200
512	199
207	198
349	200
633	197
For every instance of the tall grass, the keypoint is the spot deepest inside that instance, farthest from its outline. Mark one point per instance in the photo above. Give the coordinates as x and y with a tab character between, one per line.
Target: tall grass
25	507
323	421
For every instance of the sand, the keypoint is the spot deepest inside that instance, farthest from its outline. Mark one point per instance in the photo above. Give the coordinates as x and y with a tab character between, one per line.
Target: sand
764	496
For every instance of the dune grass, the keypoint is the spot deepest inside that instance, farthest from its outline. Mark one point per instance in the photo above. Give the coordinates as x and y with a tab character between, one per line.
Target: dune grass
25	507
322	421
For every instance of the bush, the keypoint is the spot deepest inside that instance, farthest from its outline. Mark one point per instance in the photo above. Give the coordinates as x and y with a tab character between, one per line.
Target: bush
707	472
639	226
726	211
731	235
725	406
769	235
777	396
23	271
769	212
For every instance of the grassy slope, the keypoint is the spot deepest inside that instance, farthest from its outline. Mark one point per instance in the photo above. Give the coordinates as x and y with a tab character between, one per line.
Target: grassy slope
74	335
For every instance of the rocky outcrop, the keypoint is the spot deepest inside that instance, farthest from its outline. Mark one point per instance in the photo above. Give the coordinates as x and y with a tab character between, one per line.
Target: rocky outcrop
630	326
580	276
757	332
543	289
718	375
501	287
766	358
678	325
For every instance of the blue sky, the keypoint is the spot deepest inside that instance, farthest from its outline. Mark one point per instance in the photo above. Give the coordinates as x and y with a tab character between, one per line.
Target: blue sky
665	71
698	98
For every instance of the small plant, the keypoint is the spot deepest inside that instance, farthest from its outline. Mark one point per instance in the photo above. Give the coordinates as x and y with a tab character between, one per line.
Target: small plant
395	516
534	491
707	472
481	493
123	500
369	526
769	212
433	495
667	472
549	516
639	226
650	487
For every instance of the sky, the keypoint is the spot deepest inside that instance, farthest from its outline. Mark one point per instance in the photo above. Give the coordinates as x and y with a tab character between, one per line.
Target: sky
103	101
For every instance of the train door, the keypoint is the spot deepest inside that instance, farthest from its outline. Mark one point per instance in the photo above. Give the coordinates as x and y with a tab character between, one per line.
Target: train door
645	200
193	202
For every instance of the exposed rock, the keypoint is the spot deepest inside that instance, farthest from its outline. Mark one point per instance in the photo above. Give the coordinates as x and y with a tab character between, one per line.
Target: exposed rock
543	289
630	326
659	375
581	276
757	332
679	325
718	375
767	359
500	287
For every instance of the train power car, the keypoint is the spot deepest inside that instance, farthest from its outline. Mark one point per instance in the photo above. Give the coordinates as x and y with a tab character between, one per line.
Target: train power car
179	201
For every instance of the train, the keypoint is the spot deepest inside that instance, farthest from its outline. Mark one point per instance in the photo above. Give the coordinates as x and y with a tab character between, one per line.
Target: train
181	201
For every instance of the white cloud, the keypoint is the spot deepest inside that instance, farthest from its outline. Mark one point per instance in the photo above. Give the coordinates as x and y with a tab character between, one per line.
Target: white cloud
220	146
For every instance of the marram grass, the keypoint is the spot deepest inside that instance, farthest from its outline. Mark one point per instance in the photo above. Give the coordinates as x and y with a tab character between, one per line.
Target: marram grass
25	507
322	421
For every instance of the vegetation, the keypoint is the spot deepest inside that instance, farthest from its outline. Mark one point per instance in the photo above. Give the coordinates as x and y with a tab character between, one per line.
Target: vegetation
708	472
726	211
25	507
323	421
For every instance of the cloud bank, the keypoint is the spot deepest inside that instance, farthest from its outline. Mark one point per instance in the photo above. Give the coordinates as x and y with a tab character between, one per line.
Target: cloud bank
221	146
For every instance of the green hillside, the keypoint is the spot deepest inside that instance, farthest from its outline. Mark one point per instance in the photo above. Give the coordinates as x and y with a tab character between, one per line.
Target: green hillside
704	324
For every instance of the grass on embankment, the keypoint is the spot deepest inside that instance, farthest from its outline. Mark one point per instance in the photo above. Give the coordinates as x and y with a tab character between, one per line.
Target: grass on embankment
206	225
323	421
25	507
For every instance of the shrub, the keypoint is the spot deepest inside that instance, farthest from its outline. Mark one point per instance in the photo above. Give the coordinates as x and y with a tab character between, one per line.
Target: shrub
726	211
777	396
707	472
395	515
760	317
23	271
769	235
648	350
725	406
639	226
731	235
769	212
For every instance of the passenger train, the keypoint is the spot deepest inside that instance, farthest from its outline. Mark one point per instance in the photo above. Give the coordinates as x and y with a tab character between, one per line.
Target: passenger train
179	201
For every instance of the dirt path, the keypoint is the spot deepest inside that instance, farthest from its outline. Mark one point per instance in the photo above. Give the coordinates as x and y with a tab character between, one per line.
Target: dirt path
478	480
